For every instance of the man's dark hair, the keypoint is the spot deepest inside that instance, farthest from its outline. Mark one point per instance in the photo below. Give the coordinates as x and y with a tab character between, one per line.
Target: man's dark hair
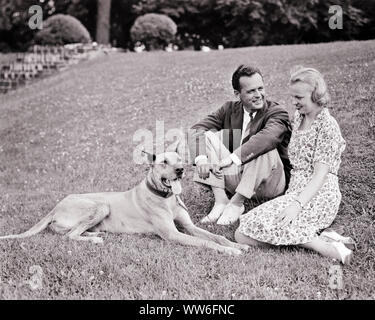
243	71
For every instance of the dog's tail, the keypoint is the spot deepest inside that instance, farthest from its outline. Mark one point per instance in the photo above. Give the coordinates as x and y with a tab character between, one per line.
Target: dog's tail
40	226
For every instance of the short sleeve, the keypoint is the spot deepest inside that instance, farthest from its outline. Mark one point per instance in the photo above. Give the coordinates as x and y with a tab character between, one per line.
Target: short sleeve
329	146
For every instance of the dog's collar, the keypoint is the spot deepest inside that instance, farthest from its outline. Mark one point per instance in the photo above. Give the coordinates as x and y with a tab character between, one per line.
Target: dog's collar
160	193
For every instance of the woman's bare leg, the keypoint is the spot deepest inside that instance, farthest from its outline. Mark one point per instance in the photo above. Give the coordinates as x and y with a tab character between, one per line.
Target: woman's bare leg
241	238
329	249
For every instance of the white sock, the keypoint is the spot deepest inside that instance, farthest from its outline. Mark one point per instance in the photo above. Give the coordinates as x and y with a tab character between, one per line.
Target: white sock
238	199
220	195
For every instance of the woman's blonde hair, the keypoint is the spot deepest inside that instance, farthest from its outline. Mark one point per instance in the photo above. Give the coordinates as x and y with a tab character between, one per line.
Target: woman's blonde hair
314	78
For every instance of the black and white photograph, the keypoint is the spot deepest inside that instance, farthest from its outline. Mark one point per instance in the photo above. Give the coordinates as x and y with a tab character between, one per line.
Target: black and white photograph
187	155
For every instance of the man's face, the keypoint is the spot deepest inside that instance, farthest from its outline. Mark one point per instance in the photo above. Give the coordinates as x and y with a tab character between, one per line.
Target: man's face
252	92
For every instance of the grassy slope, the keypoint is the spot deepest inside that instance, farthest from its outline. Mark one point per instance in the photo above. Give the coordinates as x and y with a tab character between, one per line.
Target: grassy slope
72	133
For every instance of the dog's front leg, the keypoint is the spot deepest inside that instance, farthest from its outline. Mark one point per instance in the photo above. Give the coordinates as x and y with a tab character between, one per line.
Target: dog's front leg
199	232
170	232
184	219
190	240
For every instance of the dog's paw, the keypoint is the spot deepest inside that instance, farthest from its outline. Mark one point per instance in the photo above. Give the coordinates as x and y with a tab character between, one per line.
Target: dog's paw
243	247
97	240
233	251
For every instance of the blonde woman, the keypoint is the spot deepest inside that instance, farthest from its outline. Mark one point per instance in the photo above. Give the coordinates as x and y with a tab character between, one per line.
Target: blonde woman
312	200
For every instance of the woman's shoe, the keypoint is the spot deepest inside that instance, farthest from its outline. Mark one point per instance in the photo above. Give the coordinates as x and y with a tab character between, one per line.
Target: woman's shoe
333	235
345	254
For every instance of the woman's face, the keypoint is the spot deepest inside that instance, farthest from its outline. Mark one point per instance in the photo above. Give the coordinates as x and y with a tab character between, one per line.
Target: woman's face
301	97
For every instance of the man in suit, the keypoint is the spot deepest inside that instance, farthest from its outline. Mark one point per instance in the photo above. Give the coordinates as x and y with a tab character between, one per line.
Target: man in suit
242	148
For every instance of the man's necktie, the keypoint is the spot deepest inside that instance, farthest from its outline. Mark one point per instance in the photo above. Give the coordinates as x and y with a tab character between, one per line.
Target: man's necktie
247	131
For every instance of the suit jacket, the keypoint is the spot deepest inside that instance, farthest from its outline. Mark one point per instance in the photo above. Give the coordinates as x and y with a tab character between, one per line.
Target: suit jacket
269	129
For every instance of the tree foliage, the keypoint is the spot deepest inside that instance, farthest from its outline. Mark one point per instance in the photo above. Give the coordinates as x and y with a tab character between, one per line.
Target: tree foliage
14	31
233	23
154	30
194	18
61	29
237	23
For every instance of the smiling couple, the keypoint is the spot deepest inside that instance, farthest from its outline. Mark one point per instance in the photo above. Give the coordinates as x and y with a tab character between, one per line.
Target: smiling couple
248	148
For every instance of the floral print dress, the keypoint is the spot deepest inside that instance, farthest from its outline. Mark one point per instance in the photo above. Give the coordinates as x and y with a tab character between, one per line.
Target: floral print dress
322	142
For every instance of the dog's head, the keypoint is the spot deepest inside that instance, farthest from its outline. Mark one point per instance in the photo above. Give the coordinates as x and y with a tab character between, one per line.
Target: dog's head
167	171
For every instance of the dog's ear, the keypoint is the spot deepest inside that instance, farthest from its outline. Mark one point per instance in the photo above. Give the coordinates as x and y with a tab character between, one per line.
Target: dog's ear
150	157
178	147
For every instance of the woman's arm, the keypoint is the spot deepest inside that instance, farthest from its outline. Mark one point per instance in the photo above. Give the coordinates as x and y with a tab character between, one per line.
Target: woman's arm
318	178
311	189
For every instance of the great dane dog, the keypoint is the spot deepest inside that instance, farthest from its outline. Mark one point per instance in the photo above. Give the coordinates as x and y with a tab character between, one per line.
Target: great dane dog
151	207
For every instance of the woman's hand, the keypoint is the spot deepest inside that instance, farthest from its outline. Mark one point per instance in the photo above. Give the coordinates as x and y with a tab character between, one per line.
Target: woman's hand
289	214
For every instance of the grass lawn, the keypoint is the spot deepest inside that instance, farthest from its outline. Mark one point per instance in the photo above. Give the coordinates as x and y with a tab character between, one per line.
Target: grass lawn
73	133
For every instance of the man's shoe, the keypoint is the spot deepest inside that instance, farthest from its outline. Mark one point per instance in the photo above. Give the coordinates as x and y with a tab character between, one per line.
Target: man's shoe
231	214
215	213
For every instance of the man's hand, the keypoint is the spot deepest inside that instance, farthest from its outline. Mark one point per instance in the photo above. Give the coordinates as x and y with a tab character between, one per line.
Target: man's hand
288	214
226	162
205	169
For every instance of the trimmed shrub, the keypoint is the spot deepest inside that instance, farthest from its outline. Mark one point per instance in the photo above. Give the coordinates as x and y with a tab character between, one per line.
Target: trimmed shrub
154	30
61	29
